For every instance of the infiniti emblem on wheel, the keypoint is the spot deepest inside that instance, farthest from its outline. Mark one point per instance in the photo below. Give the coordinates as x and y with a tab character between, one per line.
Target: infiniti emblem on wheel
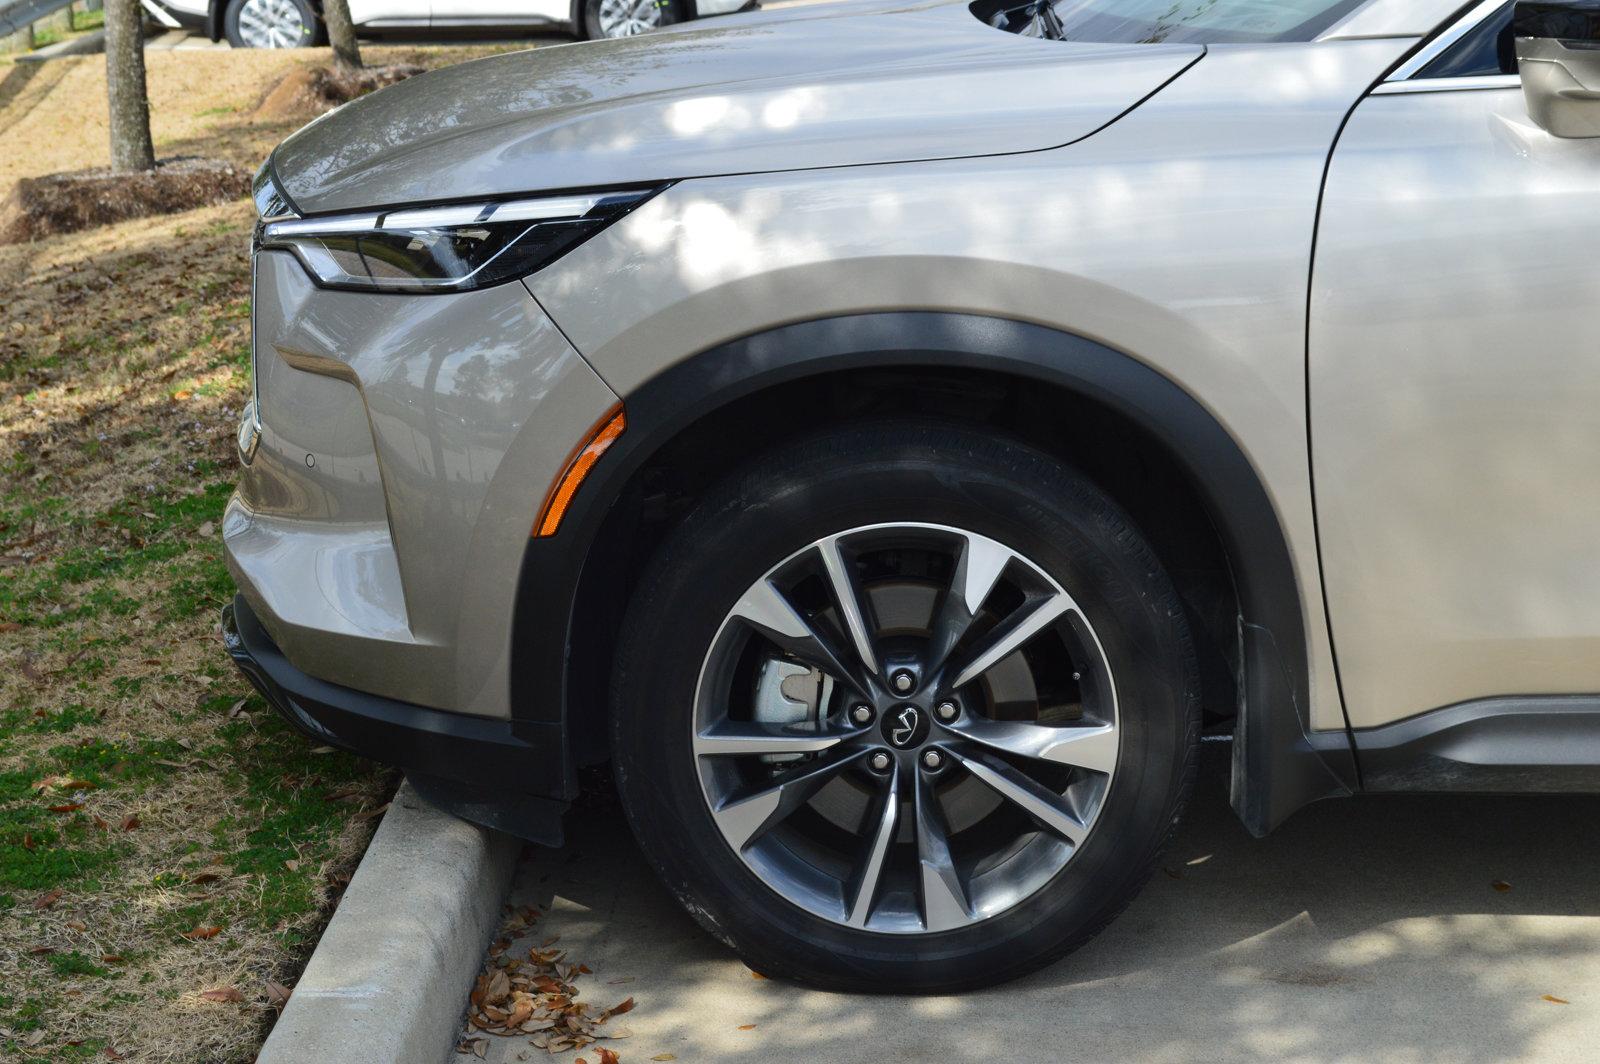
904	726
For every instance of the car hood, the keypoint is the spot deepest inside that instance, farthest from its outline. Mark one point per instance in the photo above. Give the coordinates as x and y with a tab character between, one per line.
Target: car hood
831	85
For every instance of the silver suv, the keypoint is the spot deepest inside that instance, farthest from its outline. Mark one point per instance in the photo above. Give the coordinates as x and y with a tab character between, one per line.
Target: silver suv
893	434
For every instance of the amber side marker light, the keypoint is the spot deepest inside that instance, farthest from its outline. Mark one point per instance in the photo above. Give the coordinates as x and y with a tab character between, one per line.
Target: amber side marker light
605	433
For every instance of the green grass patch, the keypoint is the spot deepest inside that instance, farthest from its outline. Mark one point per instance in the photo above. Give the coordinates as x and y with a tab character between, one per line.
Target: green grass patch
151	532
73	963
27	721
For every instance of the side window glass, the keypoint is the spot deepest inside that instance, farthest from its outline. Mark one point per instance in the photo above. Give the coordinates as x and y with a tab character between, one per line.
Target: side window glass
1486	50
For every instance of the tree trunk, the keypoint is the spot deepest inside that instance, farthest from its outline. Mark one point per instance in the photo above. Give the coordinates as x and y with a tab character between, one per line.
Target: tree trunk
130	106
341	34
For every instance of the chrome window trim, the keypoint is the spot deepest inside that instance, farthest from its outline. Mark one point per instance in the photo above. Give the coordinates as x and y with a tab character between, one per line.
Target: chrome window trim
1443	43
1487	81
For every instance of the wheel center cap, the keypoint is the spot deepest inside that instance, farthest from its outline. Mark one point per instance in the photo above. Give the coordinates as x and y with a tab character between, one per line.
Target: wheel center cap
905	726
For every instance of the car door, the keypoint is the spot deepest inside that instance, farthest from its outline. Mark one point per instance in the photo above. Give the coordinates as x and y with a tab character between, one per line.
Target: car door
500	12
379	13
1454	385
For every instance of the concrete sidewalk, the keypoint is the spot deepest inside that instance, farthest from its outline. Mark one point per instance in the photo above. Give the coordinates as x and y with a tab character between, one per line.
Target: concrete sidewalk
1363	930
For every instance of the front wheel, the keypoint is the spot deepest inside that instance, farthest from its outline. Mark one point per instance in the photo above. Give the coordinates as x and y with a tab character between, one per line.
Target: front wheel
270	24
904	707
626	18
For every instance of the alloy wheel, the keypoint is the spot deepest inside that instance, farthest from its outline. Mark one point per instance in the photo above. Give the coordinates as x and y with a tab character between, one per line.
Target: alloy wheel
626	18
271	24
905	728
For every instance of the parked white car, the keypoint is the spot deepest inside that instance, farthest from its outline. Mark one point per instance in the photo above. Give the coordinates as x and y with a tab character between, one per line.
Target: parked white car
298	23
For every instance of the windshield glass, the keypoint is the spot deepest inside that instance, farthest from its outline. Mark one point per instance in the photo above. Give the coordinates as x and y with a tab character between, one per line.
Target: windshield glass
1157	21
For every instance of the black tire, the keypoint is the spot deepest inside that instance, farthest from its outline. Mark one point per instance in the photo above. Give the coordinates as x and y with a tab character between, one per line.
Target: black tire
589	16
311	35
903	471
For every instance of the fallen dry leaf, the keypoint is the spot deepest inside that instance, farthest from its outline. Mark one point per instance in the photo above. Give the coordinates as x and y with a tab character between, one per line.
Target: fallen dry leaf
756	975
1501	886
277	994
205	877
39	951
203	931
228	994
47	899
66	807
111	958
1554	1000
130	822
665	1056
112	1054
747	1027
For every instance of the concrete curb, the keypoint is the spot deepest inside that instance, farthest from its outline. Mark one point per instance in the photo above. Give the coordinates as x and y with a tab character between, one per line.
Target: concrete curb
91	43
388	983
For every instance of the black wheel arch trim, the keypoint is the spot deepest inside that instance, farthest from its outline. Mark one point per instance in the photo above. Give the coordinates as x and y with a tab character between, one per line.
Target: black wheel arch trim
1279	763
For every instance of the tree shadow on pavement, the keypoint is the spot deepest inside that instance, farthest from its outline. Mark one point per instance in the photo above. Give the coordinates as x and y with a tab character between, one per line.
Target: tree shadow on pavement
1395	929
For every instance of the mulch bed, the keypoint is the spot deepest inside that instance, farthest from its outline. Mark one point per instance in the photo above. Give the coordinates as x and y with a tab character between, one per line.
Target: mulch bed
317	89
65	203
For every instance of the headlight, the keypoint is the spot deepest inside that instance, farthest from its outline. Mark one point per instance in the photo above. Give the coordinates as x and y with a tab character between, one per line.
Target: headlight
445	249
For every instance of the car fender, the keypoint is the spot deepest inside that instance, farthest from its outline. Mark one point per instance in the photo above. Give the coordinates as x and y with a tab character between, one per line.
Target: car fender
1279	762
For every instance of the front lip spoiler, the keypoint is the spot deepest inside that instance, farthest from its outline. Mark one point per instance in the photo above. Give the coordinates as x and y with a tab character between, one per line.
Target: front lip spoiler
473	766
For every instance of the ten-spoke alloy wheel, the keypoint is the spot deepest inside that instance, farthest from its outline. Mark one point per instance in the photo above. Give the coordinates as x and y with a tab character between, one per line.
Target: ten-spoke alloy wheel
904	707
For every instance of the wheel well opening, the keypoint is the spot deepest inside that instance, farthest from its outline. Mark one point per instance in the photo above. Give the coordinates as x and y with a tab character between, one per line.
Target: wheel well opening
1118	454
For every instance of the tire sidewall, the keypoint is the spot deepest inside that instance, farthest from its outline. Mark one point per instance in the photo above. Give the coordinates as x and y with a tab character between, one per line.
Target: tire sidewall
309	19
932	474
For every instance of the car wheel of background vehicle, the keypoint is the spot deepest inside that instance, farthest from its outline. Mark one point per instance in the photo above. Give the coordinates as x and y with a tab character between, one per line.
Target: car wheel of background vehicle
904	707
271	24
626	18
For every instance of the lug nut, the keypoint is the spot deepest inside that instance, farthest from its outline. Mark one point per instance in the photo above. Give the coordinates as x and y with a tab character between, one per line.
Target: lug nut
947	711
932	760
861	714
903	681
879	761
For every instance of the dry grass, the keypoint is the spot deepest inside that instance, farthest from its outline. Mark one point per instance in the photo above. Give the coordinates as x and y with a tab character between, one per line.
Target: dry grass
53	115
143	792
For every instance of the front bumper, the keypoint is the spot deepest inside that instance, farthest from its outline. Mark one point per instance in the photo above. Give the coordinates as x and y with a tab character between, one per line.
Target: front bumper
476	767
398	450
